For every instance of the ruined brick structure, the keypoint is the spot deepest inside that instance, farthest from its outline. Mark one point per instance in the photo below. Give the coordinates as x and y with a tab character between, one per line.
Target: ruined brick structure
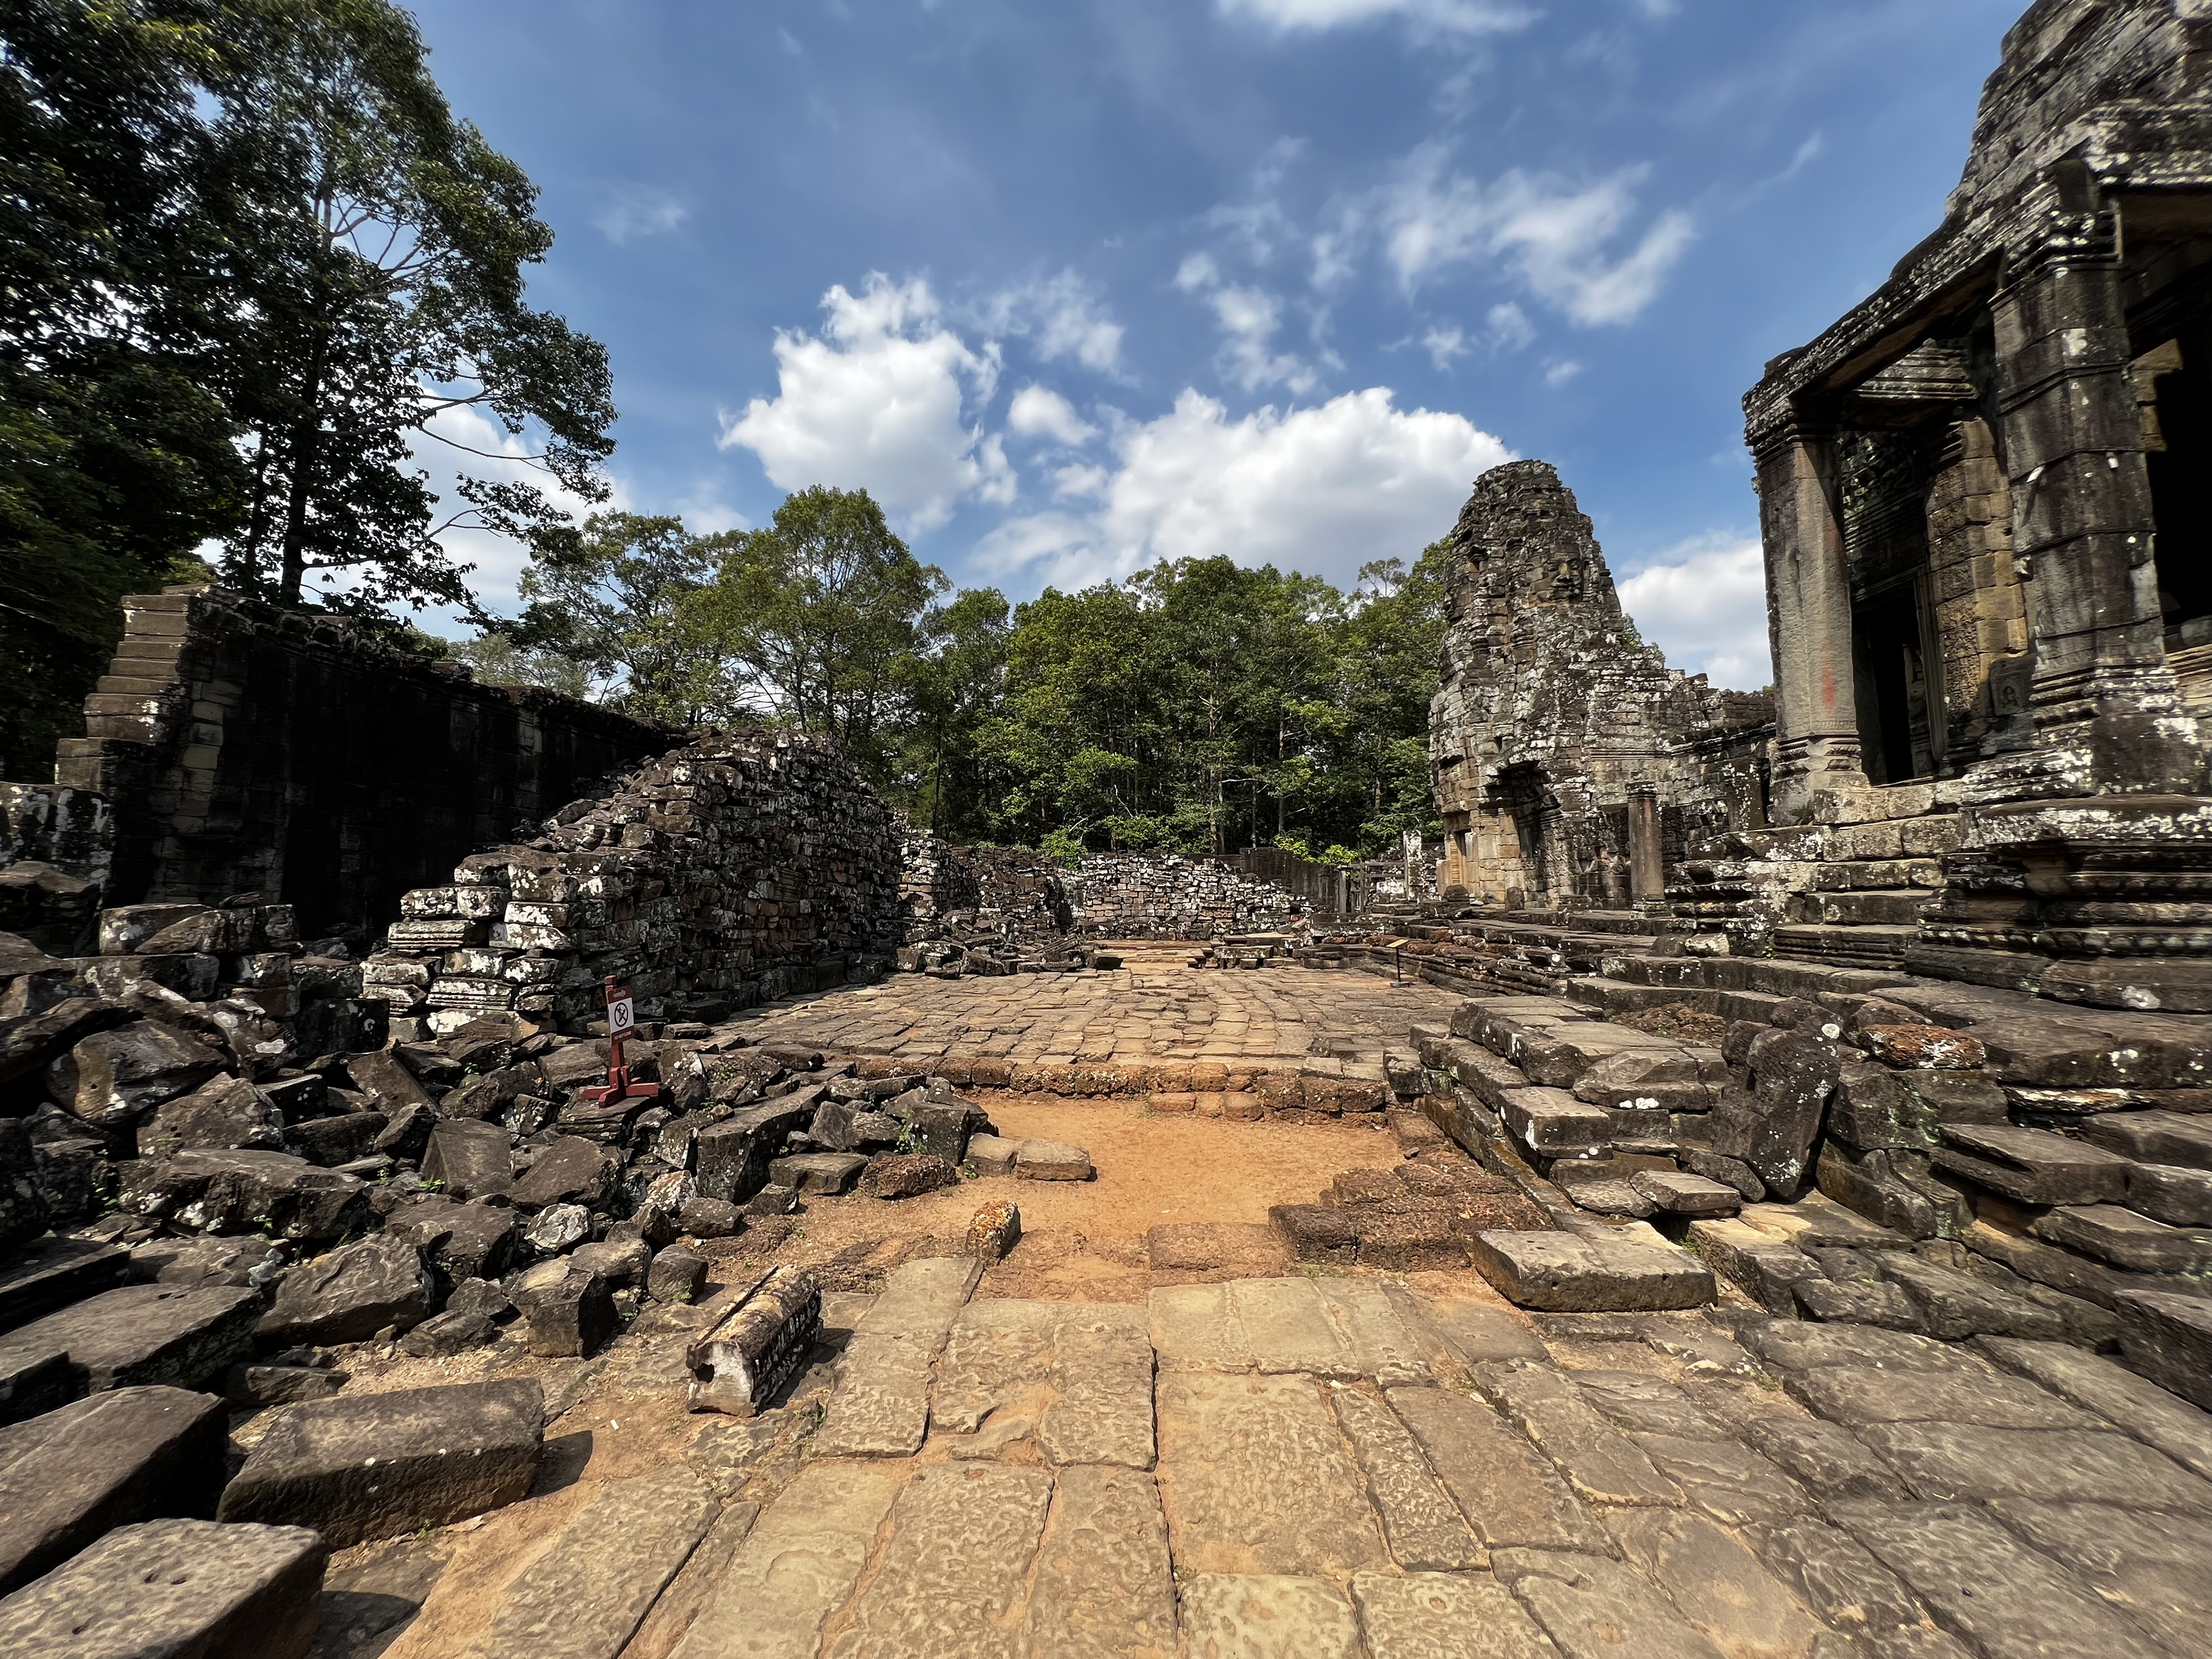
1984	498
728	872
1169	896
1013	893
243	748
1553	718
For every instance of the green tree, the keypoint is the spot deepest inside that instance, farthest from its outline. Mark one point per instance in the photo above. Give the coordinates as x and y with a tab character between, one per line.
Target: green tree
619	599
956	684
818	617
377	252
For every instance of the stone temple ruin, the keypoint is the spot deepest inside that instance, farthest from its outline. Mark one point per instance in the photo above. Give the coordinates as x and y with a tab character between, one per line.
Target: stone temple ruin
1749	1194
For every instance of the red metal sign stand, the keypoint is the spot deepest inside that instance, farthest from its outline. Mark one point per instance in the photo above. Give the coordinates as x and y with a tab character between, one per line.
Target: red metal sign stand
619	1085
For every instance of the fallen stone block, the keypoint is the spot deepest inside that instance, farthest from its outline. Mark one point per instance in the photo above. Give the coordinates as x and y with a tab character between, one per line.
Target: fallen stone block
147	1334
676	1275
247	1191
372	1466
468	1158
461	1241
1858	1303
125	1455
558	1227
992	1232
112	1078
2168	1337
1564	1272
730	1159
282	1384
571	1171
567	1311
223	1112
193	1589
52	1271
757	1346
446	1333
1687	1195
894	1175
1051	1160
2033	1166
348	1295
827	1173
34	1380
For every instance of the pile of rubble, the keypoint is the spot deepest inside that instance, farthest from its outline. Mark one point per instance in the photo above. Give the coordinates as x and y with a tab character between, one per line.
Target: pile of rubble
735	870
1165	895
961	951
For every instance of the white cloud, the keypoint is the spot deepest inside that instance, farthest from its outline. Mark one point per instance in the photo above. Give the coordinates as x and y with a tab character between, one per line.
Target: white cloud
1704	603
1554	234
876	402
1063	316
1444	344
1559	374
1249	318
1320	490
1509	327
1079	480
1440	16
630	211
1038	411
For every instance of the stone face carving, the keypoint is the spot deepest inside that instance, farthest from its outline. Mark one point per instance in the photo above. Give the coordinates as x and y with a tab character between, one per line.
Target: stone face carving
1551	709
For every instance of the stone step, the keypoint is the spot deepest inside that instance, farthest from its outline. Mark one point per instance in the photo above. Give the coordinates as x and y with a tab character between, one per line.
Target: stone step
1617	997
1859	874
1863	908
1871	946
1769	975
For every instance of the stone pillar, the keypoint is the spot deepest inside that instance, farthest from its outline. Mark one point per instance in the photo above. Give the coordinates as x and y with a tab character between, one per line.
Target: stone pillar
1647	858
1808	618
2103	701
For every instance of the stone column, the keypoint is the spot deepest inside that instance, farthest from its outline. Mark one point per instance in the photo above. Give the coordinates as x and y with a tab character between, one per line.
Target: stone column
2103	701
1647	858
1808	618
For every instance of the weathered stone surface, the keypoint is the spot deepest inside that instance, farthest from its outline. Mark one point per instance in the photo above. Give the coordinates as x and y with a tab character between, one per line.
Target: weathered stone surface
247	1191
2032	1165
1828	1459
1685	1194
894	1175
2168	1338
223	1112
370	1466
571	1171
1834	1575
1946	1461
1877	1303
2154	1137
994	1230
1424	1530
1855	1397
730	1159
1922	1047
2168	1193
992	1155
1724	1478
1104	1588
2125	1239
1476	1331
1717	1585
1256	1479
442	1335
125	1455
568	1309
470	1158
51	1272
583	1597
348	1295
962	1539
1267	1616
1954	1305
1982	1583
1765	1267
1794	1347
462	1241
1794	1077
2156	1567
1601	1465
798	1565
1051	1160
677	1274
1553	1123
1509	1494
2131	1402
1437	1615
828	1173
1564	1273
557	1228
881	1405
111	1078
1596	1609
178	1589
147	1334
757	1346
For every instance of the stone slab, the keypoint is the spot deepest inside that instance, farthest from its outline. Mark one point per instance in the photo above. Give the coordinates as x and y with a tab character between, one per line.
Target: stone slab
1444	1615
1725	1479
1080	1374
146	1335
1509	1494
1255	1616
1856	1395
1104	1587
51	1272
584	1596
797	1567
1943	1461
1256	1479
956	1568
1424	1530
2131	1402
175	1590
2033	1166
1333	1327
360	1467
880	1408
2008	1601
1601	1465
125	1455
2158	1567
1716	1583
1594	1607
1564	1272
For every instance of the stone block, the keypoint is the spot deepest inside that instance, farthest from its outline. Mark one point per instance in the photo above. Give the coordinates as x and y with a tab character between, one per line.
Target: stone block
2168	1338
1766	1268
2125	1239
1685	1194
52	1271
569	1171
827	1173
348	1295
676	1275
757	1346
1051	1160
2177	1196
1553	1123
2154	1137
193	1589
1922	1047
992	1232
363	1467
567	1311
247	1190
141	1335
129	1455
893	1175
112	1078
2032	1165
1562	1273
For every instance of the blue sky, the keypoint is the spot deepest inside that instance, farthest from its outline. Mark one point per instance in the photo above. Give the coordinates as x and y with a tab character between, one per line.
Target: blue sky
1075	284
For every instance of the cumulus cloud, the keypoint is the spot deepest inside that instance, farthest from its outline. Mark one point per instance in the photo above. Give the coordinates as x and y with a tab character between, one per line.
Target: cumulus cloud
1320	490
1063	317
630	211
1556	236
1704	602
1249	318
1038	411
875	401
1436	17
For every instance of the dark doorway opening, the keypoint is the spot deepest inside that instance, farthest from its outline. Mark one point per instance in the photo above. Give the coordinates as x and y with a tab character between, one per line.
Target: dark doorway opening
1888	641
2174	381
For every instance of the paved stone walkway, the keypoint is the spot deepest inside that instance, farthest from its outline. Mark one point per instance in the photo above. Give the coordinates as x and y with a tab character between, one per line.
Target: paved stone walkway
1348	1468
1156	1008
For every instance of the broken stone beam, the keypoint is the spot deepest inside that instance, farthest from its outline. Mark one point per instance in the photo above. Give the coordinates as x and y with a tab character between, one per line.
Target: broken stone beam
758	1347
1553	1123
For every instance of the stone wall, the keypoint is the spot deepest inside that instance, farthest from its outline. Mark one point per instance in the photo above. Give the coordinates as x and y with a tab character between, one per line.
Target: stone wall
57	847
1167	896
1551	709
243	748
730	872
1013	894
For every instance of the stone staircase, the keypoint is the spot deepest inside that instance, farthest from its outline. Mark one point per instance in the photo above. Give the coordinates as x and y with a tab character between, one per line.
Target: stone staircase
1733	987
1859	912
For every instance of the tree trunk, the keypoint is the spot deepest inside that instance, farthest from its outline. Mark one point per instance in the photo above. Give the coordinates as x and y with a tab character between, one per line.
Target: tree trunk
306	444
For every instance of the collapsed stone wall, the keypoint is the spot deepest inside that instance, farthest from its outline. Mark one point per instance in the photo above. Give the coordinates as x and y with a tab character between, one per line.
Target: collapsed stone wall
240	747
1014	894
57	853
730	872
1551	710
1166	896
